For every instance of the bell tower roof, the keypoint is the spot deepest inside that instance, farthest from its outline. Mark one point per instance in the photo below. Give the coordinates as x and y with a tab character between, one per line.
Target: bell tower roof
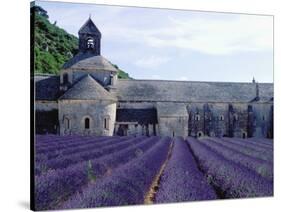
89	28
89	38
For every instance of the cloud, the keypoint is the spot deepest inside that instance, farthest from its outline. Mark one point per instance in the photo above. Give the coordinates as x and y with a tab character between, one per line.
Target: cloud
151	61
205	32
189	43
209	36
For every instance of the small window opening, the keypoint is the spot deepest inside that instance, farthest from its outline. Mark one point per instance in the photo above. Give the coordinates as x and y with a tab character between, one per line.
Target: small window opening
67	123
200	134
90	43
106	123
87	123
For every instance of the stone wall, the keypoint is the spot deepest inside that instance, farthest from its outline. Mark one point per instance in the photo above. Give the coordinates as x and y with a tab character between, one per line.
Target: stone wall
172	119
230	119
73	115
262	120
173	126
202	119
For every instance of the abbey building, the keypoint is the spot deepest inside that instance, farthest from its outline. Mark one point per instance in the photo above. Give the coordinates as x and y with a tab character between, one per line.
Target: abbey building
89	99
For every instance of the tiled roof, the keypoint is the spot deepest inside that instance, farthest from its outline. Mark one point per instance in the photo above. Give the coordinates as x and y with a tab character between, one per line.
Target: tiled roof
47	88
89	27
191	91
87	89
86	61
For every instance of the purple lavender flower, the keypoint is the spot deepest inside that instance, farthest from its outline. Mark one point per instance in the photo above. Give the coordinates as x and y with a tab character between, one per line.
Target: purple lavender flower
181	179
56	185
231	179
262	167
127	185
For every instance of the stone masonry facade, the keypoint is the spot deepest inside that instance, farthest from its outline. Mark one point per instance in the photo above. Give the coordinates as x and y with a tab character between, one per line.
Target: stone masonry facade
88	99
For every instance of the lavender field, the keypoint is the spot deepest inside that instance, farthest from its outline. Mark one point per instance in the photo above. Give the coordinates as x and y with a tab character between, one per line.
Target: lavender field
85	172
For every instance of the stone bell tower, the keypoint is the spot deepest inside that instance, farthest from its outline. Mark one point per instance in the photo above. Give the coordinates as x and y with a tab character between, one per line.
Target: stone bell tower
89	38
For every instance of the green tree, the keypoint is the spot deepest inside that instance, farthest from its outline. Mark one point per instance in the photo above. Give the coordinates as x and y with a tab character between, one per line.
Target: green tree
53	46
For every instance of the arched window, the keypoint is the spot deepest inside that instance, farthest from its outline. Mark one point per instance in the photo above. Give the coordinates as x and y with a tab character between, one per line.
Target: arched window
200	134
87	123
106	123
197	117
221	118
65	78
67	123
90	43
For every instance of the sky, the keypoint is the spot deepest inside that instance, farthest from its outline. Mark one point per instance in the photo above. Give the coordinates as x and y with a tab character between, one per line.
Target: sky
151	43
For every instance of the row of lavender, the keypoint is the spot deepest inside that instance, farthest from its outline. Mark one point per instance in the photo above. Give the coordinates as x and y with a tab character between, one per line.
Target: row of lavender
232	169
243	157
61	155
127	185
119	171
63	179
181	179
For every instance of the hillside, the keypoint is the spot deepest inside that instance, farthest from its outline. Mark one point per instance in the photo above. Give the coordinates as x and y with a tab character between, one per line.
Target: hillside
52	45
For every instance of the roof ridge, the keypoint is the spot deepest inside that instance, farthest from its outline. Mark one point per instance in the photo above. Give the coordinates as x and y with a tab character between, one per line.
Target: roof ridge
190	81
44	74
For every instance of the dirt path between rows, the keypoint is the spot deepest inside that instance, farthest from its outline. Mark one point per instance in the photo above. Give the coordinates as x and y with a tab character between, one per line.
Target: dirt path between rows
150	195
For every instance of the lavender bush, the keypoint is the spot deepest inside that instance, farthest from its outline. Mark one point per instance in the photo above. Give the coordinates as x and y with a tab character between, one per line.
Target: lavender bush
91	153
76	142
231	179
261	167
249	143
76	171
181	179
76	146
56	185
264	154
127	185
255	142
265	141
